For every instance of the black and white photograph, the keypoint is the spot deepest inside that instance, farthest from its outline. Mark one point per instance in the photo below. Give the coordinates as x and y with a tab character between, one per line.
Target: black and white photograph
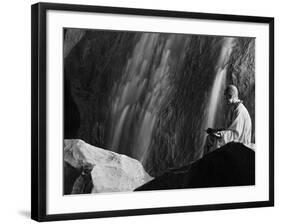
140	111
145	111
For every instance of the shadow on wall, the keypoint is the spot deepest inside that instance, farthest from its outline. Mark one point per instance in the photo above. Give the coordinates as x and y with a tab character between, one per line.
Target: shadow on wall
231	165
71	113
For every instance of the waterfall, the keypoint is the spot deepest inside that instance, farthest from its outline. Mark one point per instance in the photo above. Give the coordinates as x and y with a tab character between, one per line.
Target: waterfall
138	95
119	127
216	96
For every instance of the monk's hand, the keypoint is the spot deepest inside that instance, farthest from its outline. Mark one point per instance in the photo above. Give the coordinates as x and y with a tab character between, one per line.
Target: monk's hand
217	134
210	131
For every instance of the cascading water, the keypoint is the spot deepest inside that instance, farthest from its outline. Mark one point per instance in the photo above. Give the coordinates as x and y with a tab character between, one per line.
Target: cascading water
144	87
138	96
217	89
215	97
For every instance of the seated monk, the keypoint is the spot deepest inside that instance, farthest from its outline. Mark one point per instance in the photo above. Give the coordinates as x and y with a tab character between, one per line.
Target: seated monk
238	123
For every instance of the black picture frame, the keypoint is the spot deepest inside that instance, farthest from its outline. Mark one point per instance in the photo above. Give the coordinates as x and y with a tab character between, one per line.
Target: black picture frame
39	122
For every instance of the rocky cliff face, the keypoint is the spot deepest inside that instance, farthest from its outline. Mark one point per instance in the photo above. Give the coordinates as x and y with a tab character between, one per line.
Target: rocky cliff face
241	73
88	169
147	95
91	68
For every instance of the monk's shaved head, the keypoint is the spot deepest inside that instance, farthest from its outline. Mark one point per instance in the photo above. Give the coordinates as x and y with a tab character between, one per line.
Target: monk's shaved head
231	94
232	91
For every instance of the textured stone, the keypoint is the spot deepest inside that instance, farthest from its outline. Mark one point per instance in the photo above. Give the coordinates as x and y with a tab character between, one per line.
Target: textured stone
72	37
110	171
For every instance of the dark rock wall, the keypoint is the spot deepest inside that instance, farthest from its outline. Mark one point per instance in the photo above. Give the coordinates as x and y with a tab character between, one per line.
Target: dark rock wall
97	61
178	131
90	70
241	73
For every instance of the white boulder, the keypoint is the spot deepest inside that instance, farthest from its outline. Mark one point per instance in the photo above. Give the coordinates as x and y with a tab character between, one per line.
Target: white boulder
112	172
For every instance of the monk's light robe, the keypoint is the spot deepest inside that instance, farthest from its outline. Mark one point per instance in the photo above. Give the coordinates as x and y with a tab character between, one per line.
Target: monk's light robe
238	128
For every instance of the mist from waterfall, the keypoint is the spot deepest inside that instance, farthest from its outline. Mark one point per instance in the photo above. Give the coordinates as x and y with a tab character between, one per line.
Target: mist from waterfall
217	90
138	96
